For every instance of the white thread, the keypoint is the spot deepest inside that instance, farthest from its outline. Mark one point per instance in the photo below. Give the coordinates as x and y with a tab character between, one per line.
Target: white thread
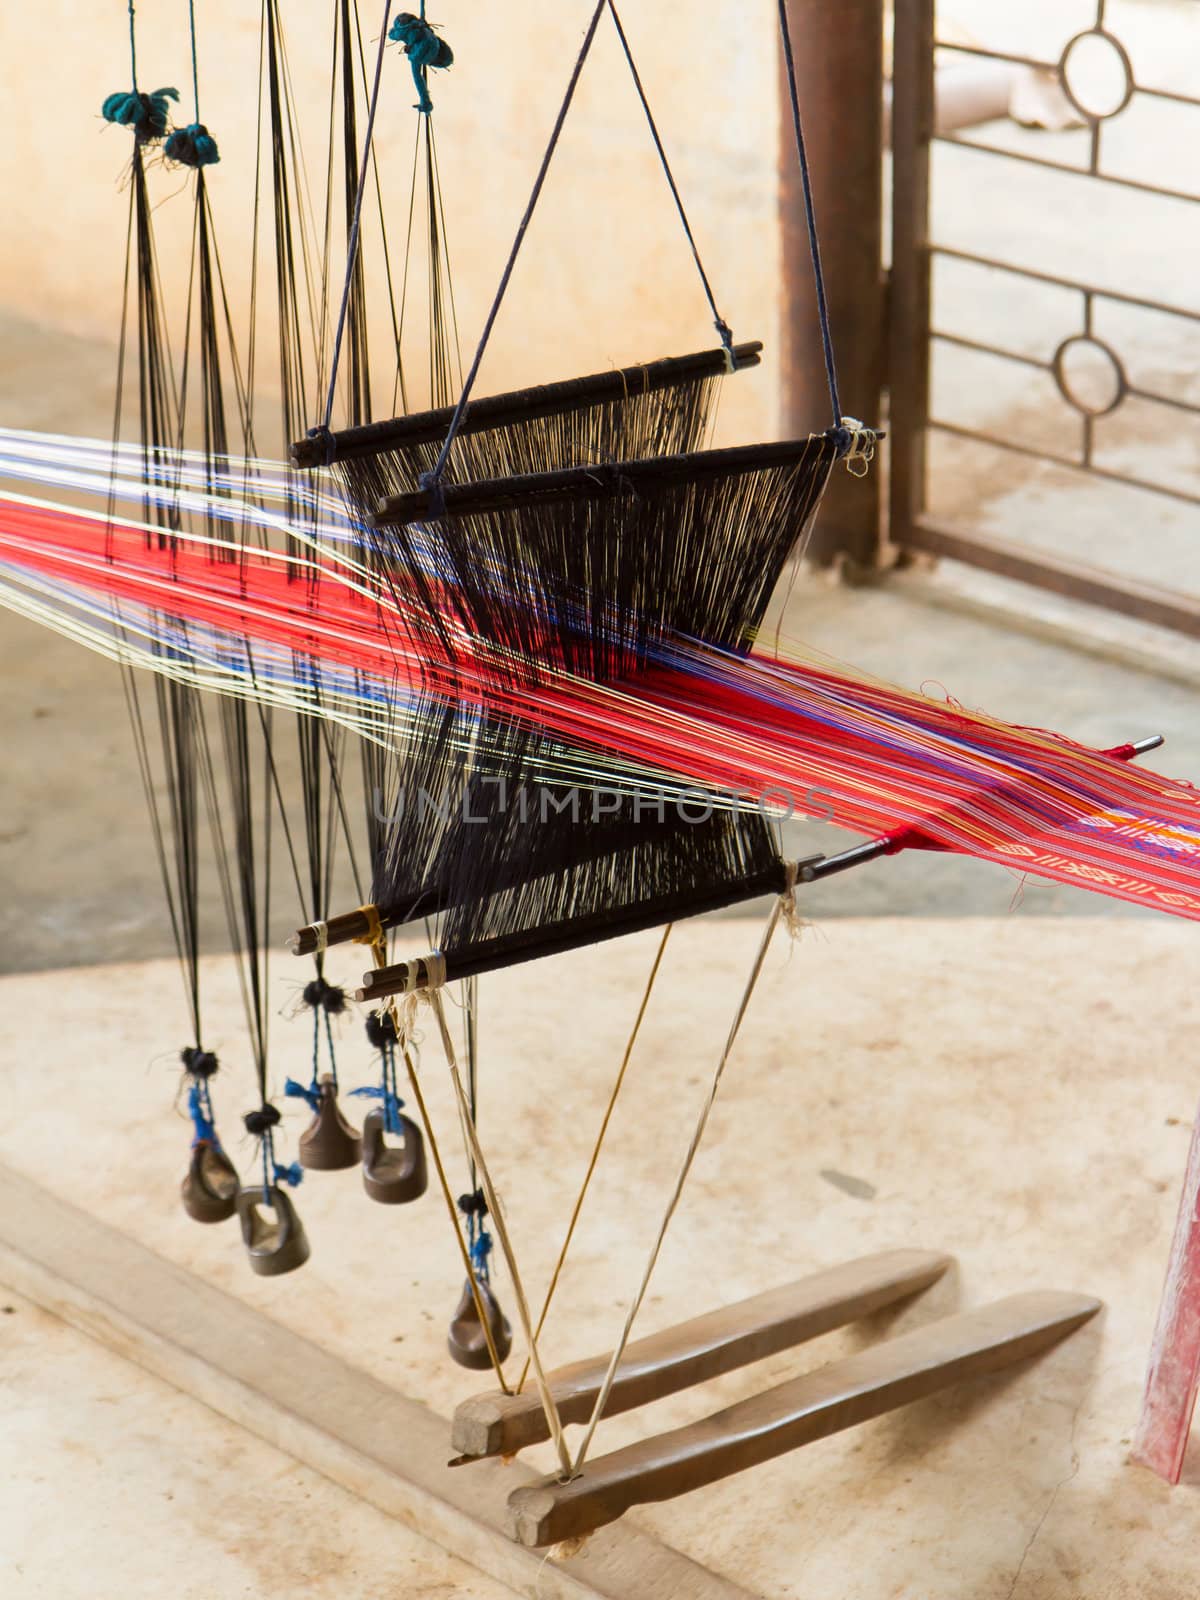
788	909
321	929
861	453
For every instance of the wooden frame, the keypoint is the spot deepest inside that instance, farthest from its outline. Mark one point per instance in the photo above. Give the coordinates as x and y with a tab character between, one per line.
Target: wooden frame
498	1424
882	1378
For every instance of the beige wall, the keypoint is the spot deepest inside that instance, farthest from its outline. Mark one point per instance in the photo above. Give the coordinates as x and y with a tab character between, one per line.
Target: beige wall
605	276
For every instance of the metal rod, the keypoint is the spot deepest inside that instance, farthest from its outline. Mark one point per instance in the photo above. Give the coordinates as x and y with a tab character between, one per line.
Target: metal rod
518	405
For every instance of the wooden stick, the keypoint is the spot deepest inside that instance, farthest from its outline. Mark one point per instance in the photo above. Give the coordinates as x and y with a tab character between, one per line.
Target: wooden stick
553	938
599	480
518	405
496	1424
865	1385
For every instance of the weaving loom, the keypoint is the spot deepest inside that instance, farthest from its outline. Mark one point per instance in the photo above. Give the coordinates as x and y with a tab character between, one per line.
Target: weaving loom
532	619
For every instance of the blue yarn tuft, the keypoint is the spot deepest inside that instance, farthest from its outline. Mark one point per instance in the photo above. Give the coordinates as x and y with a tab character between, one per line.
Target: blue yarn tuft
392	1104
192	146
146	114
424	49
297	1091
293	1175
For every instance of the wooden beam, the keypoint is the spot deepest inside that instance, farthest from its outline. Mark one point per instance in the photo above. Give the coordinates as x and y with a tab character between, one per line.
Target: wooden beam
496	1424
386	1448
865	1385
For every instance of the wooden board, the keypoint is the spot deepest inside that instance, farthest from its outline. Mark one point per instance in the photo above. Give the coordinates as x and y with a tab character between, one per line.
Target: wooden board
386	1448
705	1347
881	1378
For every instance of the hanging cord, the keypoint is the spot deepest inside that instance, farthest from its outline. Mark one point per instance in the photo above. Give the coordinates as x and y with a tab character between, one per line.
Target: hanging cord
192	146
431	481
810	214
381	1034
402	1023
201	1065
146	114
553	1420
784	907
352	243
607	1118
262	1124
722	327
325	1000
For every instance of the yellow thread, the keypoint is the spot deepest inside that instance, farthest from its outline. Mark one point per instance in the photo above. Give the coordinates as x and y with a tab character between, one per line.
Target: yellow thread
591	1167
374	933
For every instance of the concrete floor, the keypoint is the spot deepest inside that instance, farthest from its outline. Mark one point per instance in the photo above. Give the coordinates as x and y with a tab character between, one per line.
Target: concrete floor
1041	1143
166	1496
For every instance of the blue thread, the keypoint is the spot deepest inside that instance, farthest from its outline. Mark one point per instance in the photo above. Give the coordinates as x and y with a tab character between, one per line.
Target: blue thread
481	1249
201	1112
424	49
329	1044
323	437
810	215
479	1240
356	220
195	65
293	1175
146	114
439	467
723	330
381	1033
192	146
431	482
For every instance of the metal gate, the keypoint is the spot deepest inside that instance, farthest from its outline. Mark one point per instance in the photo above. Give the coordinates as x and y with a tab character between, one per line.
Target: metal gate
1044	356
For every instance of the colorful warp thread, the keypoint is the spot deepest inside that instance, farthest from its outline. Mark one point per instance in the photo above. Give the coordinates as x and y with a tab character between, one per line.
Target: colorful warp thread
742	729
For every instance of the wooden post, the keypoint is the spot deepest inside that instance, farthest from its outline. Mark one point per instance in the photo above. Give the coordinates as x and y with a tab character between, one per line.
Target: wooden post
839	69
1174	1370
913	117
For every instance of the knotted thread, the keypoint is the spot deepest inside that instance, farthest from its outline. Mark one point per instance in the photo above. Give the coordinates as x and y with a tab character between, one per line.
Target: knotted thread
382	1036
200	1063
855	445
262	1124
330	997
479	1241
192	146
146	114
200	1066
424	49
